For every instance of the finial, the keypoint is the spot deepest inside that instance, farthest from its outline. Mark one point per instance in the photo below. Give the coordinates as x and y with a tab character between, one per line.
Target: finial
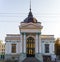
30	5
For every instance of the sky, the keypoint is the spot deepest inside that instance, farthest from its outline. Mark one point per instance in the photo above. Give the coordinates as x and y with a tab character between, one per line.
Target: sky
13	12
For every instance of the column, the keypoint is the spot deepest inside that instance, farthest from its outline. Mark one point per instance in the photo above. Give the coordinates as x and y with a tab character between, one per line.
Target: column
40	43
36	43
24	42
21	43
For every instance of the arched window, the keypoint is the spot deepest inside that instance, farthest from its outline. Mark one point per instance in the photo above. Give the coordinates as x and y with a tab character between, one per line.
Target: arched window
30	47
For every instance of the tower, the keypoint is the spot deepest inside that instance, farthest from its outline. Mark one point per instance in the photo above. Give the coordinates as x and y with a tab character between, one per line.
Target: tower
30	31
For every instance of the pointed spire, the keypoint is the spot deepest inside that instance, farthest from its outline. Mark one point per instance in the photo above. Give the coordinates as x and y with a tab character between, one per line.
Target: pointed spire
30	5
30	13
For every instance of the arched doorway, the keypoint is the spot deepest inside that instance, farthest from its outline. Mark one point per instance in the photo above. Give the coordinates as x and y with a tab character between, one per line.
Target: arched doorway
30	47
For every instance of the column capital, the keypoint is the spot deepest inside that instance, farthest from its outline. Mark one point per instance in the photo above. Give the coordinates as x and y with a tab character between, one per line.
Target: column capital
38	33
24	33
21	33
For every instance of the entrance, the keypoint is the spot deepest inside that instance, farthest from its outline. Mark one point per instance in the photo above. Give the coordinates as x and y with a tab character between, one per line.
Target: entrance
30	47
46	58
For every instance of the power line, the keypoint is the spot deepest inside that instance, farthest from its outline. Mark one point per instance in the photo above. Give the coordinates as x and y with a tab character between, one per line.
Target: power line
26	16
19	15
35	13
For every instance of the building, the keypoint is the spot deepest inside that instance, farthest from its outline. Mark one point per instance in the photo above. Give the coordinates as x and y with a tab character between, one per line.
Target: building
2	50
57	48
30	42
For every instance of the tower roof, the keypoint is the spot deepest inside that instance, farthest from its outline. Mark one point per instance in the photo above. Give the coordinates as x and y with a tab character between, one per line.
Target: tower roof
30	17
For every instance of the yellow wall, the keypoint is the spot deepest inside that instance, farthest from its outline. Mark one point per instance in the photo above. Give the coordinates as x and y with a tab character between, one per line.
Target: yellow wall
2	47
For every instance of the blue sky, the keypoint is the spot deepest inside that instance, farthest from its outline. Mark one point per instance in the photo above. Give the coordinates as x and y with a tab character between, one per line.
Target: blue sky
12	12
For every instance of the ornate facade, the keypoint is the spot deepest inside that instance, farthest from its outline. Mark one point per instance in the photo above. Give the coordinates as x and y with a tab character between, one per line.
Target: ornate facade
30	42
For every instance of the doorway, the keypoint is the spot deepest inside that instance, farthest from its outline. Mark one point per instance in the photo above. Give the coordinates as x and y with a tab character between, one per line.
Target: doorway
30	47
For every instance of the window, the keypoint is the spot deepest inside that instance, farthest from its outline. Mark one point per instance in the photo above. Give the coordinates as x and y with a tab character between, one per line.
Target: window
50	41
2	49
46	48
42	41
13	48
2	46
